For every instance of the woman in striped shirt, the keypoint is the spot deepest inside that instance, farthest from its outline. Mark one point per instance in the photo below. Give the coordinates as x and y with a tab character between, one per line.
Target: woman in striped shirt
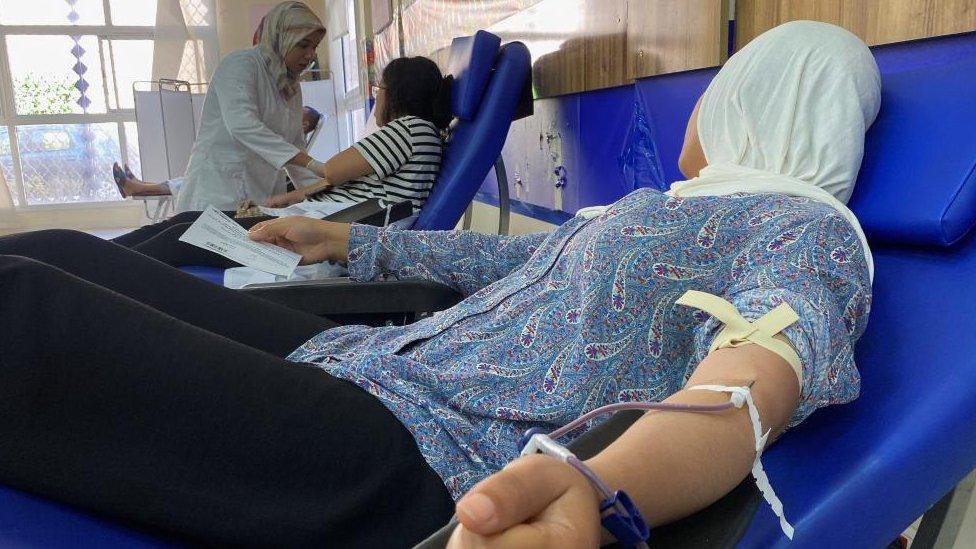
401	159
398	162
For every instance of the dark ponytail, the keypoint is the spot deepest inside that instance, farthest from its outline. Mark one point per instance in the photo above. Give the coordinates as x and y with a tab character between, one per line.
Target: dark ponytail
441	114
414	86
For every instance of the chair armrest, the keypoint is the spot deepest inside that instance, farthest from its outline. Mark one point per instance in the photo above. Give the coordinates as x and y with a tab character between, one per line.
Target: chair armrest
371	212
720	525
341	296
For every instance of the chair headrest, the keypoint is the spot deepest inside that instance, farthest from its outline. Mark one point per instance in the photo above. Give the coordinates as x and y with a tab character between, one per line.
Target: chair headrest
472	58
917	184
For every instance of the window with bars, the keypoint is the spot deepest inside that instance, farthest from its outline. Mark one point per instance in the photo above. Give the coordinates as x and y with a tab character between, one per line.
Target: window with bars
67	69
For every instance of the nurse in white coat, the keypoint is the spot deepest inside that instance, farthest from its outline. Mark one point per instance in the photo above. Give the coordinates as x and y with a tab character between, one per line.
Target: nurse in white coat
251	127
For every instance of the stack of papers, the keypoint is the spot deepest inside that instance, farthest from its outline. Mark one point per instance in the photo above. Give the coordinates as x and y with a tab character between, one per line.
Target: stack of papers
307	208
216	232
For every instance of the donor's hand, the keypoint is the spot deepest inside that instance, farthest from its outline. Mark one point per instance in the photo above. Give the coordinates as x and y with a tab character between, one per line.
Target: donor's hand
314	239
535	501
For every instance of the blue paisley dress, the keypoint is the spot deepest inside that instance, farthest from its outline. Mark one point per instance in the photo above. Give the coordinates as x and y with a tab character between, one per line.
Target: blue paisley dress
556	324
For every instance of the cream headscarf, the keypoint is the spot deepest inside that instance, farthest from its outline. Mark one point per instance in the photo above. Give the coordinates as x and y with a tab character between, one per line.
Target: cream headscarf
281	29
787	114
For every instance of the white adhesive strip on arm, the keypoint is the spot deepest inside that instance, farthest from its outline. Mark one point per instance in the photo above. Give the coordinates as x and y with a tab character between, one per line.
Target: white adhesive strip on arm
740	396
544	444
591	211
738	331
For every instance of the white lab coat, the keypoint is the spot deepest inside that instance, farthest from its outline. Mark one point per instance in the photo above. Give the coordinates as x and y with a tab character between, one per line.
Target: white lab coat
247	134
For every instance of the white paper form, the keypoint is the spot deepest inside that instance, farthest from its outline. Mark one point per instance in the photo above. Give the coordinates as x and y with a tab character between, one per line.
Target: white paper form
282	212
216	232
308	208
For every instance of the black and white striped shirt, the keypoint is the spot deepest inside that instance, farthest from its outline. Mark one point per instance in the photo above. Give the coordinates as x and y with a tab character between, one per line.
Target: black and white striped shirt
405	155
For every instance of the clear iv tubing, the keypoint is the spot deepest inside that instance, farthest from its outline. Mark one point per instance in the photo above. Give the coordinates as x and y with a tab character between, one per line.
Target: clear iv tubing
621	406
576	463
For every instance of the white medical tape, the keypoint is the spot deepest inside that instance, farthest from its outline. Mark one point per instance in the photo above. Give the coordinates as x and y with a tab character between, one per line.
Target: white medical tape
762	481
389	209
542	443
591	211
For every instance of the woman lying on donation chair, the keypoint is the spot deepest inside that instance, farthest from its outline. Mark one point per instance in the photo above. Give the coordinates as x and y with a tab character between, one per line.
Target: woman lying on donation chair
399	162
130	185
238	421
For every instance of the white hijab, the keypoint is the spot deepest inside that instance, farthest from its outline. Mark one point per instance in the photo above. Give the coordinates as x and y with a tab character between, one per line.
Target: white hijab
787	114
281	30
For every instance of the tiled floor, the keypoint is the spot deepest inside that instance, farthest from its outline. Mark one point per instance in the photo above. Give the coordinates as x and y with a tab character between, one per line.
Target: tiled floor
967	534
961	519
109	233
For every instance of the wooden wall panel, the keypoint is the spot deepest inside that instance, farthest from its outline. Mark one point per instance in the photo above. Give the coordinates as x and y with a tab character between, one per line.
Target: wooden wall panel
604	59
581	45
578	45
430	25
558	34
672	36
875	21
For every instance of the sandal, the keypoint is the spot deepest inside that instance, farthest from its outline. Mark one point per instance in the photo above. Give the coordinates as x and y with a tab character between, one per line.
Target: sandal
119	177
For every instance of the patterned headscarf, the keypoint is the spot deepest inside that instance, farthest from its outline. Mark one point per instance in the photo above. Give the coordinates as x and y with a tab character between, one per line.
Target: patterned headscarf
281	30
787	114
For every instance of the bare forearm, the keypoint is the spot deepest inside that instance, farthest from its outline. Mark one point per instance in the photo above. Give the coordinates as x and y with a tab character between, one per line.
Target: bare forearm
344	166
673	464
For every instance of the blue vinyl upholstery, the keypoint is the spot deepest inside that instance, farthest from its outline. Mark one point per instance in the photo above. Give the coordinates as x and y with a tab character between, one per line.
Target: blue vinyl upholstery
471	61
476	142
210	274
920	144
922	148
669	100
857	475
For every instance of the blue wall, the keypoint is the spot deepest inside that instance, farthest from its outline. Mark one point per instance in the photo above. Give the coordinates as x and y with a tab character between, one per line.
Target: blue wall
609	142
600	144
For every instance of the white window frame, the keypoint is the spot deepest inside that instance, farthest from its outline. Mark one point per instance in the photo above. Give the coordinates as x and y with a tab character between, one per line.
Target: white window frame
348	102
11	120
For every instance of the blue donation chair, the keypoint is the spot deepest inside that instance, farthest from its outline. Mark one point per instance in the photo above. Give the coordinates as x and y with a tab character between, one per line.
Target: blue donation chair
857	475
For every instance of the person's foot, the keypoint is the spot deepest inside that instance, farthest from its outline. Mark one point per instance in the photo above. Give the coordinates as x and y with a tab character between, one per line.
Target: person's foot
128	185
119	175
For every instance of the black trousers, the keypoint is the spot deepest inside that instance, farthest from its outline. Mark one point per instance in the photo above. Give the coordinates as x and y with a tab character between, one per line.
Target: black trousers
148	396
161	241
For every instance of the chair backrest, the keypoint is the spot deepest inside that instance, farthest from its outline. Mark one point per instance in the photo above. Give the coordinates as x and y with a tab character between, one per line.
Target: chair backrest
857	475
911	435
488	84
917	184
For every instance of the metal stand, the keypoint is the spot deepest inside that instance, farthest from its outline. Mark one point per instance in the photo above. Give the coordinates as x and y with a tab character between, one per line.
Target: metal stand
162	210
504	204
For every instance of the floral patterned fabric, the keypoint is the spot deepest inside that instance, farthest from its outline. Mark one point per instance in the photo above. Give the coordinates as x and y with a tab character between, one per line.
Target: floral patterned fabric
554	325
